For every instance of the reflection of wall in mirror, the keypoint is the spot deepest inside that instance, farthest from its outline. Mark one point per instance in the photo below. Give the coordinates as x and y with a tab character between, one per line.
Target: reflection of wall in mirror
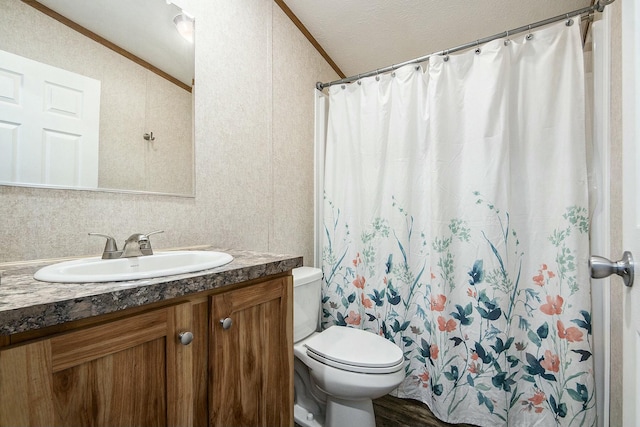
134	101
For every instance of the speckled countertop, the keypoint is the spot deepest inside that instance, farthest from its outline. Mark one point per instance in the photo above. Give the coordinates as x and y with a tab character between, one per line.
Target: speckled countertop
26	303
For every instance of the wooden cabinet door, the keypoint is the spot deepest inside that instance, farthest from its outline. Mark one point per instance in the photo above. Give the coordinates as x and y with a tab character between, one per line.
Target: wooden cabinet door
128	372
251	377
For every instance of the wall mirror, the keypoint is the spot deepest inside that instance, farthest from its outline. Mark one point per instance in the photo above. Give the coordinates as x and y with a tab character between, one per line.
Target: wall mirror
97	95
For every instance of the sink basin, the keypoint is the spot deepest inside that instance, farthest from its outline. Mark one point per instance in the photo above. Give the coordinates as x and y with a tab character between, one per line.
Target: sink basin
145	267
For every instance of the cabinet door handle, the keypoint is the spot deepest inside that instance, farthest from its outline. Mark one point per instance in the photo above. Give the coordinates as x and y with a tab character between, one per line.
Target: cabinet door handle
226	323
185	338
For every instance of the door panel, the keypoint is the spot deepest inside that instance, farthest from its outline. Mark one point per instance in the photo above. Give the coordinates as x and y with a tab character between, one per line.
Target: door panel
50	124
631	206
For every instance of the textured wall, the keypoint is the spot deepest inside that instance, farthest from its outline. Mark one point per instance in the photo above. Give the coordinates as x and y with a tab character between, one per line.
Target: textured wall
255	75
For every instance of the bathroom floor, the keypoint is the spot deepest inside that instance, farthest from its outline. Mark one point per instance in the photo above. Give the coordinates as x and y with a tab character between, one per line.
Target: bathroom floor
394	412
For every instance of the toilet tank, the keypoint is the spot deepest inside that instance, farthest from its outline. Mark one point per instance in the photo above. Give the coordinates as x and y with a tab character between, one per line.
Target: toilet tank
307	282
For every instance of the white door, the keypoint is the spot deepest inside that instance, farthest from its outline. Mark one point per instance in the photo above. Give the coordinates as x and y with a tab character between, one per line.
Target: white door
49	124
631	207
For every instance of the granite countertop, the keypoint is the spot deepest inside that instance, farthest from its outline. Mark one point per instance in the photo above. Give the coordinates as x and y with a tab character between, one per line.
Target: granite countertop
27	304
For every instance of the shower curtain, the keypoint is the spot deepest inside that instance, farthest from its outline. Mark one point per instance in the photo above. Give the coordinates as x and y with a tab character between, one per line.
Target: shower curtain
456	225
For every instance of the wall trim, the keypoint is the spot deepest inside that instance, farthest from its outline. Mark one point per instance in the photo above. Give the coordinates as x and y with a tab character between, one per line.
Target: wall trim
309	37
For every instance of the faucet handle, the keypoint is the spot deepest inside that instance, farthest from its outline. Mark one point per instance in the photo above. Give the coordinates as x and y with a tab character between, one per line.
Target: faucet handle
155	232
145	243
110	248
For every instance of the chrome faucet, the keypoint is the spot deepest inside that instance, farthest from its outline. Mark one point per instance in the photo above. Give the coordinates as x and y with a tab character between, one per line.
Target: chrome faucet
137	244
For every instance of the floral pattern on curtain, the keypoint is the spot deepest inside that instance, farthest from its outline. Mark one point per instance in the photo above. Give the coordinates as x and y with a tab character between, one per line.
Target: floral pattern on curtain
456	226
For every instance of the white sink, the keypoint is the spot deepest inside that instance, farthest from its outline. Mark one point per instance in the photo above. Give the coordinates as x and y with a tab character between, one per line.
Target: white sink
145	267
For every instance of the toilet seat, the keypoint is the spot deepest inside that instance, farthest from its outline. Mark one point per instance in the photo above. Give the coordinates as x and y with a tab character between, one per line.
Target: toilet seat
355	350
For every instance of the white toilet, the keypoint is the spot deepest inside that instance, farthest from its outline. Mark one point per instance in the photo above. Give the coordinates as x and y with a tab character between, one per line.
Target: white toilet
340	370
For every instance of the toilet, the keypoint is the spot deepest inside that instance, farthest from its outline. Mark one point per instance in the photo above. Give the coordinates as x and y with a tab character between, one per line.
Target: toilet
339	371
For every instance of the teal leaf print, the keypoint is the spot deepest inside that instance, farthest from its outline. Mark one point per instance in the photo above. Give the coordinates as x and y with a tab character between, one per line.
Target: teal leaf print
457	341
586	323
580	394
500	346
377	297
584	354
463	314
453	374
501	381
393	297
534	367
476	273
371	317
489	314
351	298
533	337
543	331
340	320
437	389
486	401
470	380
482	354
513	361
408	341
397	327
491	310
560	410
389	264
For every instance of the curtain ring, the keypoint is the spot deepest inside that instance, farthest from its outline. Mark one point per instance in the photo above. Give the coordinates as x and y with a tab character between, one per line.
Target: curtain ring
507	41
446	55
478	47
529	36
358	79
377	76
569	21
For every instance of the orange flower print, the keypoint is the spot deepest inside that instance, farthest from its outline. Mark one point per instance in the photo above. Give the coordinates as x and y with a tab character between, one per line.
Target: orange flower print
474	355
359	282
551	362
446	325
366	301
433	351
538	397
433	276
437	302
353	318
473	368
571	334
534	401
357	260
424	377
539	279
553	305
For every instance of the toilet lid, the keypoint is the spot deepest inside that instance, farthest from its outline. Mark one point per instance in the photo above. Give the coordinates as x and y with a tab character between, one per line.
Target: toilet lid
355	350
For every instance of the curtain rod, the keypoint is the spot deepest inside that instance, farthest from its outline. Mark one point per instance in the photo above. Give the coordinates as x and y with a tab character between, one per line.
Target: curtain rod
598	6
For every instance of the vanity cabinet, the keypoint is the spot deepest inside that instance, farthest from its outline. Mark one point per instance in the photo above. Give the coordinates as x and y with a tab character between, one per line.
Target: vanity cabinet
126	372
130	368
251	356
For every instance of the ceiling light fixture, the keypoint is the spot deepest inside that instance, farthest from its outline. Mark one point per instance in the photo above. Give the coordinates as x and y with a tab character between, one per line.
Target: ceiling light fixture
184	24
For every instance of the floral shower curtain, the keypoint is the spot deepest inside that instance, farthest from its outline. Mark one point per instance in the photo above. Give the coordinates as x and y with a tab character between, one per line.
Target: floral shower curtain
456	225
